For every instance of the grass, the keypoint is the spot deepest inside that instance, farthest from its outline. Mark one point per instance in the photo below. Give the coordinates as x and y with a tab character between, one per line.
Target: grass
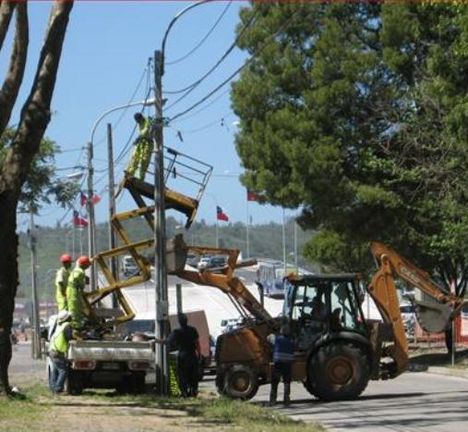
38	410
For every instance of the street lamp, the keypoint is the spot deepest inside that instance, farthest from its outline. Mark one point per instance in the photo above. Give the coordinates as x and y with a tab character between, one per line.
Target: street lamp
89	203
161	294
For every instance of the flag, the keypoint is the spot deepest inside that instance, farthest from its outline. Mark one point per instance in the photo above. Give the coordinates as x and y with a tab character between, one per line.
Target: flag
220	215
79	221
83	199
252	196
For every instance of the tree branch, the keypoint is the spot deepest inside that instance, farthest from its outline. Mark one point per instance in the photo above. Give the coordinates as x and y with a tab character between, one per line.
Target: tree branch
6	12
35	114
14	78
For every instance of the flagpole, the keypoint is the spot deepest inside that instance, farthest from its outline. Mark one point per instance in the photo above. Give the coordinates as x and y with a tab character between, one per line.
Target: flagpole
217	233
247	229
73	240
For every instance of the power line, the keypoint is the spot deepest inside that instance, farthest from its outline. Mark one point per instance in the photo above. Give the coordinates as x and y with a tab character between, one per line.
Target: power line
210	31
146	72
188	89
205	107
247	63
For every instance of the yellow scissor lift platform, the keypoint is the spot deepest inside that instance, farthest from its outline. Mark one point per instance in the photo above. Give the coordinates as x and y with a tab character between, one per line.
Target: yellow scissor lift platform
179	169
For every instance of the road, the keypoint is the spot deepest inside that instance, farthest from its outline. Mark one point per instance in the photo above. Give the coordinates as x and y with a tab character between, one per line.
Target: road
414	402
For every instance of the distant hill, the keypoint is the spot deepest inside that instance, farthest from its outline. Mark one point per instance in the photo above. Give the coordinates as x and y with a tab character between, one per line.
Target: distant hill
265	241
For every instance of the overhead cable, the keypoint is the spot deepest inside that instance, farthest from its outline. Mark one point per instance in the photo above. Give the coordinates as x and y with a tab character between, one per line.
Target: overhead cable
188	89
230	77
210	31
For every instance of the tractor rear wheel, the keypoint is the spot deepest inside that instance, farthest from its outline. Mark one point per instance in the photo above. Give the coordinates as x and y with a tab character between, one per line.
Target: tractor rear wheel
338	371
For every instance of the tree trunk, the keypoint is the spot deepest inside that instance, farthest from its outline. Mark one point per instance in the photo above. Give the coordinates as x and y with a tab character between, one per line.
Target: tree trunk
35	116
8	281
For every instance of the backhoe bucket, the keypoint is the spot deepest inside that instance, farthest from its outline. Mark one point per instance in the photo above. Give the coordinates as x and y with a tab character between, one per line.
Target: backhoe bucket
433	317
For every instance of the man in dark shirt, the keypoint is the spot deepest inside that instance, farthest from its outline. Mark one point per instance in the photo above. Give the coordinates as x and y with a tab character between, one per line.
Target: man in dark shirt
185	341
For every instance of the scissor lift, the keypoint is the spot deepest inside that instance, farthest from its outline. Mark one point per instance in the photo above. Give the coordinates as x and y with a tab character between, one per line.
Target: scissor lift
180	169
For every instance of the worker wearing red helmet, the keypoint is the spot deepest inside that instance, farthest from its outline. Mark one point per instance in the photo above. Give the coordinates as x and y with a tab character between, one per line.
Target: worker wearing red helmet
75	292
61	281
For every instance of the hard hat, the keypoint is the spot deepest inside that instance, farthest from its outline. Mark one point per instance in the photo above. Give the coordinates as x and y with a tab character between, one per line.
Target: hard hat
65	258
63	315
138	116
84	261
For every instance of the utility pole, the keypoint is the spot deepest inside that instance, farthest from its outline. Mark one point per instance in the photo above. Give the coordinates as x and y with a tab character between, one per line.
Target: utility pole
90	208
283	235
112	243
161	319
35	345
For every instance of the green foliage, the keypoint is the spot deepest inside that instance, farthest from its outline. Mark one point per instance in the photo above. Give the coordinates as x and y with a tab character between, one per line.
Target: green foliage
357	113
41	184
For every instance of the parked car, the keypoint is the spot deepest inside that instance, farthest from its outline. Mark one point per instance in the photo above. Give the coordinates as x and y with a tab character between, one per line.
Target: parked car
408	315
217	261
204	263
129	267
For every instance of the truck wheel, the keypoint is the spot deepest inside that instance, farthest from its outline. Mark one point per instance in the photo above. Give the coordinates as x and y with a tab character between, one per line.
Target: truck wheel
337	371
74	385
240	382
138	383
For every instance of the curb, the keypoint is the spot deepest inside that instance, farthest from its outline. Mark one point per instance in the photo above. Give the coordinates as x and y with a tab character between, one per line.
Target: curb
448	371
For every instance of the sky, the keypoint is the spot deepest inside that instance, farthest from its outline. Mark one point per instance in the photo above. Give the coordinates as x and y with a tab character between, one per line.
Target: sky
105	57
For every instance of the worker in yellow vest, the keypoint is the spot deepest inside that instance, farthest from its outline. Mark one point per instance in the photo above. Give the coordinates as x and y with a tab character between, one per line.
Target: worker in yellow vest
143	148
58	350
75	293
61	281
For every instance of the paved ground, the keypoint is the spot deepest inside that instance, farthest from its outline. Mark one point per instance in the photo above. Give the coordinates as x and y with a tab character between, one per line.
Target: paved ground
412	402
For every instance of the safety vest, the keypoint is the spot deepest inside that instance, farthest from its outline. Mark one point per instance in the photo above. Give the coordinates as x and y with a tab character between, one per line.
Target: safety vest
59	342
283	350
75	300
61	281
145	129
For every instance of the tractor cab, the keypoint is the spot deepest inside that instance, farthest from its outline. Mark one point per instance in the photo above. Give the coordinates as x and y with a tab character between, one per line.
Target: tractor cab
320	305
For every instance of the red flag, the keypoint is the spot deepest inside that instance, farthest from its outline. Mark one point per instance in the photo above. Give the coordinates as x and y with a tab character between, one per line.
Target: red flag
83	199
95	199
79	221
220	215
252	196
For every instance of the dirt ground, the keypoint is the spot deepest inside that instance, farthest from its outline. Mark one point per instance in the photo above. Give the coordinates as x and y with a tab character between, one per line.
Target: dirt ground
98	412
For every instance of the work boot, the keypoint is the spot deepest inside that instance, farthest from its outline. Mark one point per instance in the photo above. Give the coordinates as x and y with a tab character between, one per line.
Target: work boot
273	394
287	392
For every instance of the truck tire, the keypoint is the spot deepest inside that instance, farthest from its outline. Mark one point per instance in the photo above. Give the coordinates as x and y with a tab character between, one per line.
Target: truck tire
240	382
138	385
337	371
74	385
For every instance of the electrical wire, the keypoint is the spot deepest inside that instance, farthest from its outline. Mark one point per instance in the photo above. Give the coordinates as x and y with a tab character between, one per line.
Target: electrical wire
146	72
210	31
204	107
247	63
188	89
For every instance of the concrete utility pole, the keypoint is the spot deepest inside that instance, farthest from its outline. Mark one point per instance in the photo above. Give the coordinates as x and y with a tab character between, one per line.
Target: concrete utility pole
112	243
161	319
35	344
91	219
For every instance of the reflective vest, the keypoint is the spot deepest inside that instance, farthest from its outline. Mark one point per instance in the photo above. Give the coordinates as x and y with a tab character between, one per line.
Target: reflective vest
75	299
61	281
283	350
59	342
145	129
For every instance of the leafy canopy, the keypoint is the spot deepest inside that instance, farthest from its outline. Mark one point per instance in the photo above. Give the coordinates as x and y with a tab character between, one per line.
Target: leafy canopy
356	112
41	186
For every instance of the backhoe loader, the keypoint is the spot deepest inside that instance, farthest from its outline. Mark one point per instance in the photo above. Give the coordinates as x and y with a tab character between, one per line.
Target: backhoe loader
337	350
